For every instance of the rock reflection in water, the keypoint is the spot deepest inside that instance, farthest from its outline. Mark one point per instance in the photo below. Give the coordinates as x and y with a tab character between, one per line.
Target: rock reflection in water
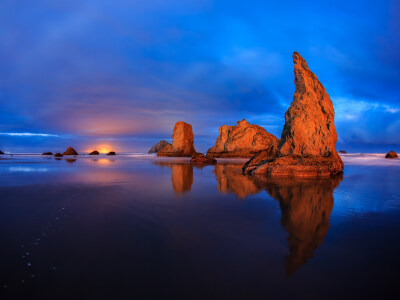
181	175
230	180
306	205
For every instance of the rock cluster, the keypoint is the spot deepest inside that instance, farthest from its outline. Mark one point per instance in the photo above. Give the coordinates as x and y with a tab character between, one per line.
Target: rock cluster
391	155
241	140
201	159
307	144
183	142
157	147
70	151
94	153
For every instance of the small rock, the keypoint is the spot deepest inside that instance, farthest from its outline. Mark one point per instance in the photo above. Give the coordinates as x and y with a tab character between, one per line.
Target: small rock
391	155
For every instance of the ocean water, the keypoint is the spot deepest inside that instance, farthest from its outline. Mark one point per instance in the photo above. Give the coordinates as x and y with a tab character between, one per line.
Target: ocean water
141	227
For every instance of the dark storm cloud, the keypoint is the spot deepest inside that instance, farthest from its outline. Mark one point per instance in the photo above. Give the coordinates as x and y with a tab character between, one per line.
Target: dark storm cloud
128	70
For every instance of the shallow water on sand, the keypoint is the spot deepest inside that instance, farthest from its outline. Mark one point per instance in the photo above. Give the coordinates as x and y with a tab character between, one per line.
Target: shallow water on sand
145	227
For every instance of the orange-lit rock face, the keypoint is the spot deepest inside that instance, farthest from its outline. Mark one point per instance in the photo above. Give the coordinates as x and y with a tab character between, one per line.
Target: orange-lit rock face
183	142
70	151
307	144
241	140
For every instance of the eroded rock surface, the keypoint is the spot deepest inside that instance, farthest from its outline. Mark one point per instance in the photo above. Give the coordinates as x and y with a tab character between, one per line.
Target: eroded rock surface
183	142
157	147
70	151
391	155
201	159
307	144
241	140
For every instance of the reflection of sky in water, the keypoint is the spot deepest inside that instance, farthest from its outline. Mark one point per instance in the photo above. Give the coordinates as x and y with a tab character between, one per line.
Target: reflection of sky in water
175	219
28	169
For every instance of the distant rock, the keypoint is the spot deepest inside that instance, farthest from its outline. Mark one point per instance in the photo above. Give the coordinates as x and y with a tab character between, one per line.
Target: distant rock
182	144
94	153
58	155
391	155
241	140
111	153
201	159
47	153
1	152
342	151
308	139
157	147
70	151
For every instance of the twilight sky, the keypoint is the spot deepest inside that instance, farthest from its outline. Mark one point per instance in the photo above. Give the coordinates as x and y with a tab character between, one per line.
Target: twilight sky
119	74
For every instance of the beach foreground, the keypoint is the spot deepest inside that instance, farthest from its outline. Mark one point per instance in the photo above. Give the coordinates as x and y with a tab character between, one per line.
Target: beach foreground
149	227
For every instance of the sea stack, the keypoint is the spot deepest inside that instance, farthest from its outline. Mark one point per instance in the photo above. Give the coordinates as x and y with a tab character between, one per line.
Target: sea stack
391	155
308	139
201	159
241	140
182	144
70	151
157	147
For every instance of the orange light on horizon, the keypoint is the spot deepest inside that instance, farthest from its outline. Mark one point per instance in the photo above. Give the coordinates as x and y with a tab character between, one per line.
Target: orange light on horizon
103	149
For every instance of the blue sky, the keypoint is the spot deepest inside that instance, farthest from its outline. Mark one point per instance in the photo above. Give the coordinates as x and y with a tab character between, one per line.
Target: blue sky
121	73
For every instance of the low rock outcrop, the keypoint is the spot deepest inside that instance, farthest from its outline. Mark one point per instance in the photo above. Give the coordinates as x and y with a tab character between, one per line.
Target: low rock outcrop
47	153
241	140
111	153
343	151
201	159
391	155
1	152
307	144
70	151
157	147
94	153
58	155
182	144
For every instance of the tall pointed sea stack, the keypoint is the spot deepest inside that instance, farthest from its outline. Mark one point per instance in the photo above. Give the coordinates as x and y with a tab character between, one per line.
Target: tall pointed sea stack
307	144
182	144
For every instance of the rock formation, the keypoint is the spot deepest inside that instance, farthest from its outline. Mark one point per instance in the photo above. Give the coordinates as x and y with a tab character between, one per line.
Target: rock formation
111	153
307	144
343	151
70	151
94	153
391	155
157	147
241	140
58	155
201	159
47	153
182	144
1	152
